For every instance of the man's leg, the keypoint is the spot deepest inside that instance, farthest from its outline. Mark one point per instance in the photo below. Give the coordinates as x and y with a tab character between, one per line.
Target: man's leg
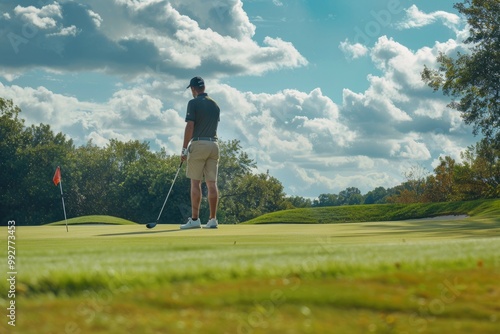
213	197
195	198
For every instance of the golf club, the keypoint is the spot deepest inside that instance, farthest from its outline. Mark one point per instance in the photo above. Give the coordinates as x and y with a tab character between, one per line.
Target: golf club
151	225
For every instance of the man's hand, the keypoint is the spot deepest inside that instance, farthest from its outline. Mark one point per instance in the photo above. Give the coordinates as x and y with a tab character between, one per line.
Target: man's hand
184	154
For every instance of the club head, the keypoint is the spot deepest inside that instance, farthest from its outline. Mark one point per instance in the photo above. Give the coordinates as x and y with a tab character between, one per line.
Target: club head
150	225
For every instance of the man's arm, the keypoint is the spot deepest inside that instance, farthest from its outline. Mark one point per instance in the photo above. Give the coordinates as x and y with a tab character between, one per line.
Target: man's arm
188	135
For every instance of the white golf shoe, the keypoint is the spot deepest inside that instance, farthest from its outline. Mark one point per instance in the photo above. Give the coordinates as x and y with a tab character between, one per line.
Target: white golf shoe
191	224
212	223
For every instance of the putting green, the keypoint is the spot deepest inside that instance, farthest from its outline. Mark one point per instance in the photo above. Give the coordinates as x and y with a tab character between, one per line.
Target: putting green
421	229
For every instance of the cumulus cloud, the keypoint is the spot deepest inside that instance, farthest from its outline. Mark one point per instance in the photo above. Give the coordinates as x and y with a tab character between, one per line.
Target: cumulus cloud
353	51
288	123
42	18
415	18
96	18
127	115
67	31
398	118
126	37
411	148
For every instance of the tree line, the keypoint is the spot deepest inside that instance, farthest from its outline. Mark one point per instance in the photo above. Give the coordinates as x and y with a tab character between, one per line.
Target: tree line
476	177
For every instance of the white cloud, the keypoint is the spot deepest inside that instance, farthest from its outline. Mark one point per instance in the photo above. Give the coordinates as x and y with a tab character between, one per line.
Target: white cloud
449	148
415	18
96	18
42	18
411	148
283	125
129	36
128	115
67	31
378	103
353	51
226	46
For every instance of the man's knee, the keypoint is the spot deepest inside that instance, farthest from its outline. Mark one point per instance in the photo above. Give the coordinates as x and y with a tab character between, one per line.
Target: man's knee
196	185
212	186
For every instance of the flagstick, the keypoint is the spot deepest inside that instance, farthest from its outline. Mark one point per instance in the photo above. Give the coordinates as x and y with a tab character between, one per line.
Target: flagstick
64	207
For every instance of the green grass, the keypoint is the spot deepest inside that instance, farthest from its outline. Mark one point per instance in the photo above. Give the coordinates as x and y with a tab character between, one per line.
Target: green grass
418	276
96	219
380	212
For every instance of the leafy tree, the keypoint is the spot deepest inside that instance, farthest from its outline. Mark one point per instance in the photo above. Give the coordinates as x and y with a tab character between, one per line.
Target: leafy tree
479	174
487	166
131	162
93	169
28	159
233	164
472	80
412	190
441	186
11	129
326	200
257	194
404	196
350	196
299	202
127	180
376	196
43	151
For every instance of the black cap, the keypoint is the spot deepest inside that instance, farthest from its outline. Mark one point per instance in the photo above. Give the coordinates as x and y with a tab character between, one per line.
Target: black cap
196	82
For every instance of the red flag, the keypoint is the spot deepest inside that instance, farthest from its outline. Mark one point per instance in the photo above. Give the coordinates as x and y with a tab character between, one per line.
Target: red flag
57	176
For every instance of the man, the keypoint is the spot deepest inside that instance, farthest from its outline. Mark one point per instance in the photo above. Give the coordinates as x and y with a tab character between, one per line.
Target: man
201	151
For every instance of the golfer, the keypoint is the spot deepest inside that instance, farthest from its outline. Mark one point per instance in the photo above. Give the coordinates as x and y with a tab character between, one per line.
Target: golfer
201	151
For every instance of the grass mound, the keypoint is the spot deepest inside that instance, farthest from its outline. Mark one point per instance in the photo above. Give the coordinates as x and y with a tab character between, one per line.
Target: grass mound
97	219
380	212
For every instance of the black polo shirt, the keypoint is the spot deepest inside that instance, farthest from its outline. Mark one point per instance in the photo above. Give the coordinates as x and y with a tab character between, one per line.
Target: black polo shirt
205	113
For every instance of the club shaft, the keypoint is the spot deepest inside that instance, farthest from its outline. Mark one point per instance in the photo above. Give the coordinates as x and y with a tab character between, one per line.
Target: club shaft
166	199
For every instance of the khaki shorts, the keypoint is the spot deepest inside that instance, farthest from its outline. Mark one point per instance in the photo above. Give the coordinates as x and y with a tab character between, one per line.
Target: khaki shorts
203	160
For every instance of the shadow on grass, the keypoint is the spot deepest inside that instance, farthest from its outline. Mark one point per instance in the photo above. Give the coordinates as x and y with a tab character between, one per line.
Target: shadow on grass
464	228
138	233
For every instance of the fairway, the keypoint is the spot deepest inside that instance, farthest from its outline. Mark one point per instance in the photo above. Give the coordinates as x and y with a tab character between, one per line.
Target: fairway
419	276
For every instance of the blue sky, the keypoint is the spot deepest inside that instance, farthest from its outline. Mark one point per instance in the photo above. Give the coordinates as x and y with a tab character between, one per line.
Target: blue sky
324	94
